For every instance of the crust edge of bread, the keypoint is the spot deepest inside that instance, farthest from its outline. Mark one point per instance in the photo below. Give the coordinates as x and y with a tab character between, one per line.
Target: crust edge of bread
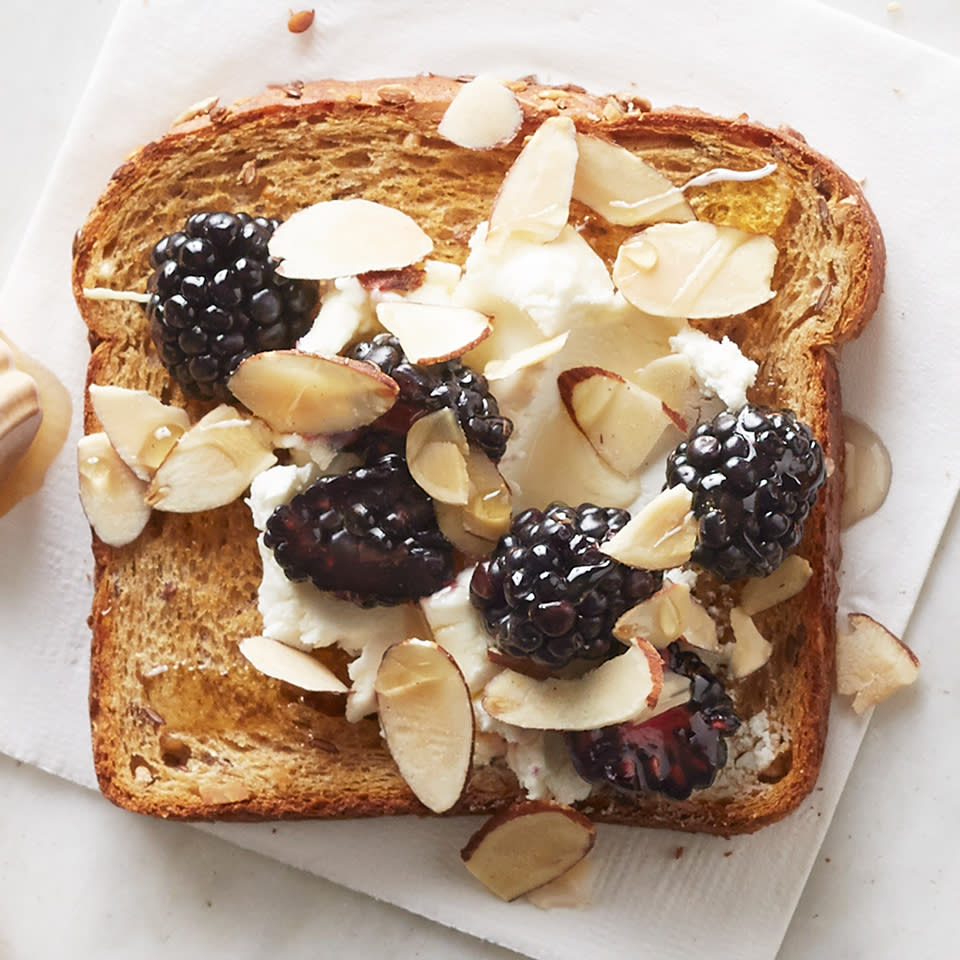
428	96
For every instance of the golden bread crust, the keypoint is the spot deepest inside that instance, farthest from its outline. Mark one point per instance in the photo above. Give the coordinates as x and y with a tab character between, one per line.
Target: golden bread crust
182	726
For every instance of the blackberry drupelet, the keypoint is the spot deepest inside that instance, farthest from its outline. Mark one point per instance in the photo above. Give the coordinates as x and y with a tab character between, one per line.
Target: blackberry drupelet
424	389
369	536
754	476
216	299
674	753
547	593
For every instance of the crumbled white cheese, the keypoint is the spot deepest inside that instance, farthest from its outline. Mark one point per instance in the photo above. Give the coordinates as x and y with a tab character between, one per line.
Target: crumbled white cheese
683	575
543	767
757	743
719	366
279	484
555	285
457	627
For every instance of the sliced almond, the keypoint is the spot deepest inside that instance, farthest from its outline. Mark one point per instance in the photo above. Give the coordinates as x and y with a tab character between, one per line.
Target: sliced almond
623	188
695	270
111	494
430	332
342	238
306	393
450	520
219	414
751	650
662	535
427	718
436	456
871	662
488	509
672	612
20	416
526	846
292	666
618	690
527	357
483	114
141	428
672	380
675	693
534	199
210	466
761	593
622	422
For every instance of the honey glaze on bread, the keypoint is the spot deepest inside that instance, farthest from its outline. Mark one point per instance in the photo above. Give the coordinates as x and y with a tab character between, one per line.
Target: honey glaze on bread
183	726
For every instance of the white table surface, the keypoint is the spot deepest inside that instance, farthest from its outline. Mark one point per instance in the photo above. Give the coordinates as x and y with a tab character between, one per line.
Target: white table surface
80	878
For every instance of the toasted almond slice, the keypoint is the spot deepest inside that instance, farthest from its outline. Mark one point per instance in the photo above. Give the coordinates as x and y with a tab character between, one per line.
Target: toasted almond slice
619	689
526	846
219	414
296	667
623	188
111	494
20	416
672	612
427	718
436	456
141	428
431	332
534	199
671	379
210	466
483	114
695	270
306	393
871	662
751	650
343	238
761	593
489	503
662	535
450	520
570	890
527	357
622	422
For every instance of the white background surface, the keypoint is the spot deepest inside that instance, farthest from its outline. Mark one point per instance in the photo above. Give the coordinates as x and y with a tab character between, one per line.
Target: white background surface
883	886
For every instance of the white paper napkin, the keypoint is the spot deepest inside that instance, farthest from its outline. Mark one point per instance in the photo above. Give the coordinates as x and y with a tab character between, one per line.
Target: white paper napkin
860	95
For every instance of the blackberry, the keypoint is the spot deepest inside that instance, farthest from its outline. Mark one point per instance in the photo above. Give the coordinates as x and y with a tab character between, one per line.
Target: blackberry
547	593
216	299
369	536
674	753
754	476
424	389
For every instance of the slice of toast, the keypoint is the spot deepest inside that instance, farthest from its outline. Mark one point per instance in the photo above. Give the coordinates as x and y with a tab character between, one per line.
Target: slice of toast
182	725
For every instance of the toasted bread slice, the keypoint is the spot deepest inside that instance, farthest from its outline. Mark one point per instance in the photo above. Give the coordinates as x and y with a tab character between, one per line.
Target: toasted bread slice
182	725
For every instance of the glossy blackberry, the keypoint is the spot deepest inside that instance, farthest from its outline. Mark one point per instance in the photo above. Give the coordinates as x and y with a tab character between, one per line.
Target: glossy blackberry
754	476
424	389
547	593
369	536
674	753
216	299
